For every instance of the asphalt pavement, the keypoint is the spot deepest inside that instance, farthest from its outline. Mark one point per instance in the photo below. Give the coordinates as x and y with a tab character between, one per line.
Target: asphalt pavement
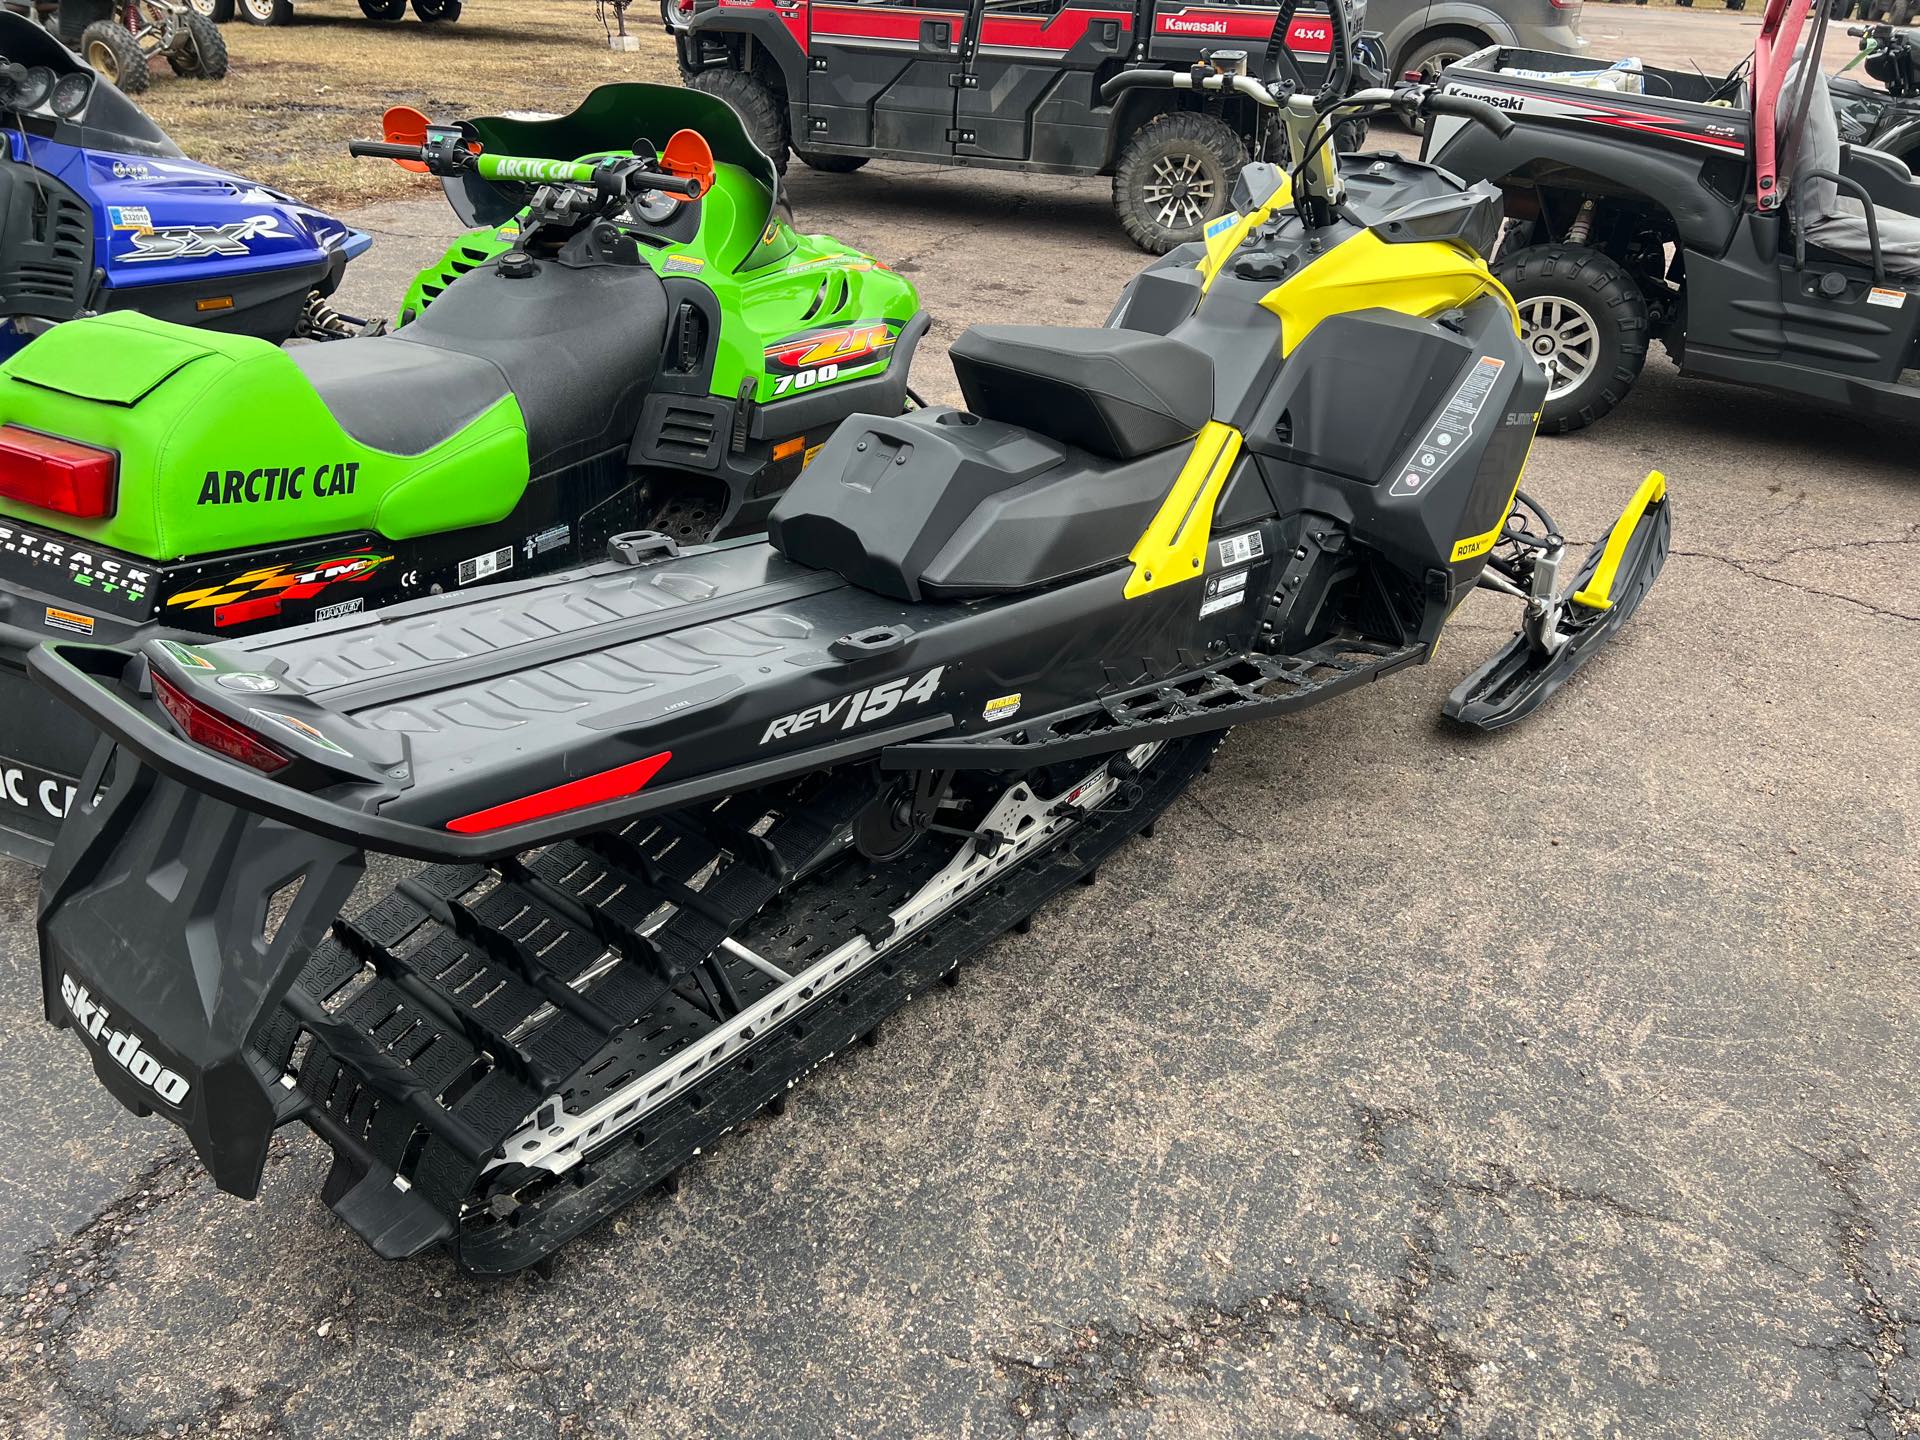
1560	1082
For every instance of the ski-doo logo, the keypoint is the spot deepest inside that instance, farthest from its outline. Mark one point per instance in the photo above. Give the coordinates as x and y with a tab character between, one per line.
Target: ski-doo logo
192	242
858	708
128	1050
101	573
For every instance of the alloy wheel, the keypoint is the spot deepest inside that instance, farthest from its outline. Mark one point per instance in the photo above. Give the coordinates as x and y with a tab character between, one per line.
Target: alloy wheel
1562	339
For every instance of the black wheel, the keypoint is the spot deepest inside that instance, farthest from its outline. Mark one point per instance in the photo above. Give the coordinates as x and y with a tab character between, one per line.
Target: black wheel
1584	321
266	12
831	164
74	16
384	10
199	50
437	12
218	11
1901	12
1350	135
108	47
1433	57
754	102
1174	175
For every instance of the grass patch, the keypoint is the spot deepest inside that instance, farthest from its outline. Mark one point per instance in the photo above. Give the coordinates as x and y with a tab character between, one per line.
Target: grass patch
299	93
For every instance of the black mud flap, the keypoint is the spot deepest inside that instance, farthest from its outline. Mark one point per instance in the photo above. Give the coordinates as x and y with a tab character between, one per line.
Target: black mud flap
171	925
1610	587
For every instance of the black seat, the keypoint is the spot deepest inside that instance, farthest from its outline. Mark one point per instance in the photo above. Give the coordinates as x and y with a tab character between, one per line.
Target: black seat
1827	219
1118	393
401	398
578	349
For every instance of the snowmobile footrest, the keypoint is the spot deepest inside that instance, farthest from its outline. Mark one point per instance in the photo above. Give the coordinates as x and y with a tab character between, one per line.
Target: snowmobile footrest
1610	587
1237	691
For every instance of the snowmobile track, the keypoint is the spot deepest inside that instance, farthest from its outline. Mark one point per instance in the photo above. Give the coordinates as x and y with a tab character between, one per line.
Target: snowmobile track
421	1035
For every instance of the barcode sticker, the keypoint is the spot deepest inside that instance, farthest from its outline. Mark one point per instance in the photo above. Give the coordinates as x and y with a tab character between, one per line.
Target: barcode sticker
482	566
1239	549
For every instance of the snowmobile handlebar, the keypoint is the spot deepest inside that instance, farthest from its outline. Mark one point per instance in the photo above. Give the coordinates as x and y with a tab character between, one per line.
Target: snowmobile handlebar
620	176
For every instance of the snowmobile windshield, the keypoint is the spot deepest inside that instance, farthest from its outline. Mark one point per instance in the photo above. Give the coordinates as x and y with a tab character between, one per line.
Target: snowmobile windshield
611	118
108	121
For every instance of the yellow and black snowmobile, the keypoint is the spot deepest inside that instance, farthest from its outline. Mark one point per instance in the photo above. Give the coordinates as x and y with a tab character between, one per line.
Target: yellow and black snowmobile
696	819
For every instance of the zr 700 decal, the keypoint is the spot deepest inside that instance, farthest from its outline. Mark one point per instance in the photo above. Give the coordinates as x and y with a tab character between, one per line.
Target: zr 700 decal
858	708
817	357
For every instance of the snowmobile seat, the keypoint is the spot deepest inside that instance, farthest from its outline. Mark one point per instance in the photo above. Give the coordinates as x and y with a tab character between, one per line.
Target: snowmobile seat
1829	221
397	396
578	350
1121	394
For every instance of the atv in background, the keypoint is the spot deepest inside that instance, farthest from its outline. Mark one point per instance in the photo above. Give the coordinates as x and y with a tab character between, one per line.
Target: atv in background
1886	119
280	12
1015	84
631	341
1722	217
122	38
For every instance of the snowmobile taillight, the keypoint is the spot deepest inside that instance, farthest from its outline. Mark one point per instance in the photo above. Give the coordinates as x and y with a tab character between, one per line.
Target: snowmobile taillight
207	727
49	473
614	784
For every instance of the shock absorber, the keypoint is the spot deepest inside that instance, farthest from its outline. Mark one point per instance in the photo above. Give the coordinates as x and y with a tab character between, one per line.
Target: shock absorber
1582	224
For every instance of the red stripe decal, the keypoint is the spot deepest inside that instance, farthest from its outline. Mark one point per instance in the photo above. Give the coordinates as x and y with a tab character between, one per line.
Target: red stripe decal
1059	33
857	22
614	784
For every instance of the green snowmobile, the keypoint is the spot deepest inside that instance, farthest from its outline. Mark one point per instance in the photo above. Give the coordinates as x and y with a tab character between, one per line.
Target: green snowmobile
634	341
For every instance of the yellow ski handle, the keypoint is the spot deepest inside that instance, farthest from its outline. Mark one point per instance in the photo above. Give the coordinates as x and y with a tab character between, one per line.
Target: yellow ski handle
1597	593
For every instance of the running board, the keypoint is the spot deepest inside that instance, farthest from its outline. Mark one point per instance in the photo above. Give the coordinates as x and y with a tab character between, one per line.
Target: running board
1234	692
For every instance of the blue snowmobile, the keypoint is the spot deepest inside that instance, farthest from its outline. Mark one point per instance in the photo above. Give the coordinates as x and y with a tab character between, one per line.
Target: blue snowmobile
100	211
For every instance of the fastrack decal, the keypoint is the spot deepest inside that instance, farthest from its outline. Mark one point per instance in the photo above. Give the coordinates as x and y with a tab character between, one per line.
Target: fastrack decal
279	482
128	1050
858	708
103	573
191	242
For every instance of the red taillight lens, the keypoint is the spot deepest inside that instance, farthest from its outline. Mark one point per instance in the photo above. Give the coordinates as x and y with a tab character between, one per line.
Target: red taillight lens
614	784
208	727
54	474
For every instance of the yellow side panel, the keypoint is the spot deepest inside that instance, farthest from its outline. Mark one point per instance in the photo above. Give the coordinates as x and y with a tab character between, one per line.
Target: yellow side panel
1175	545
1365	273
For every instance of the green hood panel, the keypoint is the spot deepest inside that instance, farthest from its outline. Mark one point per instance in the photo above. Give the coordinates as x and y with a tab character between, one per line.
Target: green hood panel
224	444
70	361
